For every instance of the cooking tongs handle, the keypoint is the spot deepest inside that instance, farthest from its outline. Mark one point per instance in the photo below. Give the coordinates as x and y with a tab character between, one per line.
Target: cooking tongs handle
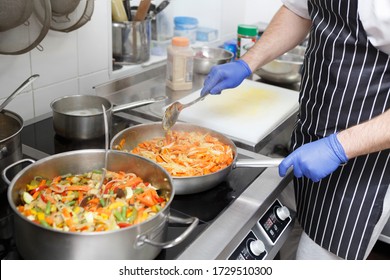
18	90
165	245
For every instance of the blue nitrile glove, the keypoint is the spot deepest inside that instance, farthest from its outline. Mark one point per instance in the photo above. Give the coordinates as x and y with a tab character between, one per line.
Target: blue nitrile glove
315	160
228	75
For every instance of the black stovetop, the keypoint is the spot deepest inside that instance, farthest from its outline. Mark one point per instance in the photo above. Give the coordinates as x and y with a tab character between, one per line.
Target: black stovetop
206	205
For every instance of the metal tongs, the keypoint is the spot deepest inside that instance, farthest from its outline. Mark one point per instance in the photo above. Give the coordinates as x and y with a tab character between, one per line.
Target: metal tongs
18	90
106	141
172	112
87	198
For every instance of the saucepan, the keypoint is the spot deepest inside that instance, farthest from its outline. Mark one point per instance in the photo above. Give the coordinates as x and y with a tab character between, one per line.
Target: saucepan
140	241
80	117
129	138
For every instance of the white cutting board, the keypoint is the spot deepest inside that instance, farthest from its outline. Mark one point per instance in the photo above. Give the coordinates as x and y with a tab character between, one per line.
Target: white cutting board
249	112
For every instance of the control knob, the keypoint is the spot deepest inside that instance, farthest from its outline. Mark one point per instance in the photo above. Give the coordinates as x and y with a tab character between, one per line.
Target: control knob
282	213
257	247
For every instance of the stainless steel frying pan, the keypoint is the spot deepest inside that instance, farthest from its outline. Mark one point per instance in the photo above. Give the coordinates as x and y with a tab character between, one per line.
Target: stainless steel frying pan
195	184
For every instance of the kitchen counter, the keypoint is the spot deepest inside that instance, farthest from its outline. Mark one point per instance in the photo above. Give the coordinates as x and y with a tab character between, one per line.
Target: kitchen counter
151	83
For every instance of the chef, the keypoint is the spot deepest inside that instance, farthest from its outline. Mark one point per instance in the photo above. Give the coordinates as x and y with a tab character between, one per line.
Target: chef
340	143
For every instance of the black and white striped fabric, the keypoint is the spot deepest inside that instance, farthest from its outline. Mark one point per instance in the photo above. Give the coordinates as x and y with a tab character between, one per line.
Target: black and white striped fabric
345	81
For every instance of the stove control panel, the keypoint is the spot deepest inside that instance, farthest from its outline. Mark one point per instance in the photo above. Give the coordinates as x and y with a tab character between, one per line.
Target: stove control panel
250	248
275	221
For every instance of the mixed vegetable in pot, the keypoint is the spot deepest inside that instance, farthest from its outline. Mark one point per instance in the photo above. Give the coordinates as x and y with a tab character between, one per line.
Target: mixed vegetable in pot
75	203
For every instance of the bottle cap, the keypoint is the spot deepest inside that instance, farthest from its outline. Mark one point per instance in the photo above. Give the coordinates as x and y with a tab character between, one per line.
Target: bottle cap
180	41
247	30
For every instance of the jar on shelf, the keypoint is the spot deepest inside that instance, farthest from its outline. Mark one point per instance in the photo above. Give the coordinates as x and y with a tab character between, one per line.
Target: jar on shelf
246	38
186	27
180	61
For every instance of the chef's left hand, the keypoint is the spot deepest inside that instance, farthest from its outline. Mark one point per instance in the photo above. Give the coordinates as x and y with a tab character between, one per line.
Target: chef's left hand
315	160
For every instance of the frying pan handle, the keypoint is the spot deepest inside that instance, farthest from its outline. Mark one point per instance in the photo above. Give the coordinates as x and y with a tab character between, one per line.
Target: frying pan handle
138	103
4	173
193	221
269	162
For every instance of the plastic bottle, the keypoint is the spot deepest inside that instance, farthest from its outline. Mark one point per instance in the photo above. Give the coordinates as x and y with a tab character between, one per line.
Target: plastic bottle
246	38
180	62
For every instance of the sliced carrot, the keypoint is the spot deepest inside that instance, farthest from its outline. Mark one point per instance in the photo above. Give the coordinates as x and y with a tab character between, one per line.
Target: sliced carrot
94	200
66	213
56	179
81	188
36	194
50	198
80	198
49	220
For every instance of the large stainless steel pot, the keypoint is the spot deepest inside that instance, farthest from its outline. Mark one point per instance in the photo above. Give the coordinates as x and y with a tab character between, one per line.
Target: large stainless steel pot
195	184
81	116
141	241
11	125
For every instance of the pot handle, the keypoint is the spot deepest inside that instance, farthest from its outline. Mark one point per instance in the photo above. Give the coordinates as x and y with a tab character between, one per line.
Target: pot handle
3	152
139	103
4	173
142	239
269	162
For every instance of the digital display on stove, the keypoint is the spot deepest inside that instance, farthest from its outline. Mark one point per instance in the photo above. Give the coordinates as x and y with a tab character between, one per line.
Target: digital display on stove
271	224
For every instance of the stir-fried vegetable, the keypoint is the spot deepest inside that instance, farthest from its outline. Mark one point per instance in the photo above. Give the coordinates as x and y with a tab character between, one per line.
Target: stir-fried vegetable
184	153
75	203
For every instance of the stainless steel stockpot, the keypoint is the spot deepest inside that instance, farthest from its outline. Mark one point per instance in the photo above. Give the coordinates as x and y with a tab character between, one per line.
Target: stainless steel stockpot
141	241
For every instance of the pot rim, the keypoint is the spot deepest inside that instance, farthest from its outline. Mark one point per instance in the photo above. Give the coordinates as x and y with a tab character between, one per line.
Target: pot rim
160	214
59	99
16	117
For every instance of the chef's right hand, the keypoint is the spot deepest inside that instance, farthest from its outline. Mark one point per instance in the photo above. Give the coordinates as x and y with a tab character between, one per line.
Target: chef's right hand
225	76
315	160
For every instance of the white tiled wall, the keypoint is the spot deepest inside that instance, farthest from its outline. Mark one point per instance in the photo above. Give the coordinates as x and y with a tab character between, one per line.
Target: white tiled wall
71	63
75	62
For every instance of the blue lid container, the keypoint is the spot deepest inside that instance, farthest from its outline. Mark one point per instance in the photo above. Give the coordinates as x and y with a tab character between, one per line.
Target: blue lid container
184	23
231	45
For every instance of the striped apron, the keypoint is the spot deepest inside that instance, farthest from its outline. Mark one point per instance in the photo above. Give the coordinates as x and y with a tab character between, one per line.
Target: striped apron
345	81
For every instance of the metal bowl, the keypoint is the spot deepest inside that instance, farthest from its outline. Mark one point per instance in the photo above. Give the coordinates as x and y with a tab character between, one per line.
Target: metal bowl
286	69
207	57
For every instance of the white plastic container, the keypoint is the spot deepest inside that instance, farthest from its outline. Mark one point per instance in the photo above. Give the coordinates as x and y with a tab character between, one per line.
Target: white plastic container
180	64
186	27
206	34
